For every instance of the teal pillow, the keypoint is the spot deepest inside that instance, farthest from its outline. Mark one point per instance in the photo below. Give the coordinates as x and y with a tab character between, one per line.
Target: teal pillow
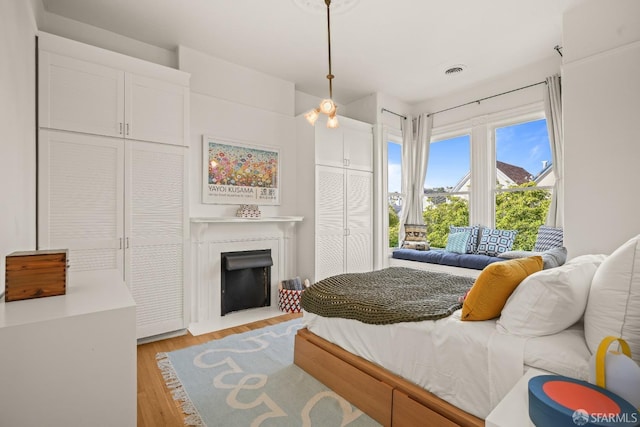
457	242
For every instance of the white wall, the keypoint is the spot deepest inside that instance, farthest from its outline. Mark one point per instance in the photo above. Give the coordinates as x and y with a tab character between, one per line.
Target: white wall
17	121
239	104
533	73
601	88
75	30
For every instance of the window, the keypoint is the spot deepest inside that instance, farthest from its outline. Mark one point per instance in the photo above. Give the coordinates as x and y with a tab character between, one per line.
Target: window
394	189
524	178
447	185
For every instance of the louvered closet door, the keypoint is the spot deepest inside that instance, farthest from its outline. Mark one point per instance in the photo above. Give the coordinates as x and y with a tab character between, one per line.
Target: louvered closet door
359	246
155	235
80	201
330	183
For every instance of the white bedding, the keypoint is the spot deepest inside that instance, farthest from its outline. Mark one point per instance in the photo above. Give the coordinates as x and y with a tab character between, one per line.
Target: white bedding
452	358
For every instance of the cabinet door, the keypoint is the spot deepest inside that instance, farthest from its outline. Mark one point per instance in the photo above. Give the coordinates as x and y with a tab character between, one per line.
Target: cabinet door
358	148
330	228
155	110
80	201
359	214
155	235
329	146
80	96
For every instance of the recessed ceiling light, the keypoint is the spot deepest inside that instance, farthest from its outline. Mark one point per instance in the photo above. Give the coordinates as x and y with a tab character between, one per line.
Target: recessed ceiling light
318	6
455	69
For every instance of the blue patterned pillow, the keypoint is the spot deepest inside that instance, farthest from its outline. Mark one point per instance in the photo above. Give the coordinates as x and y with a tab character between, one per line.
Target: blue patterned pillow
457	242
494	242
472	244
548	238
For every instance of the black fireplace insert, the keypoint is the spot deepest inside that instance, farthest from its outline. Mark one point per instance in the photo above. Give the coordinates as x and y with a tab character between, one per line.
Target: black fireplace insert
245	280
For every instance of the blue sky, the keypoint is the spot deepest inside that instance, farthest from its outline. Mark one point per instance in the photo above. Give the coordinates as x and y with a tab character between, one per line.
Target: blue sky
525	145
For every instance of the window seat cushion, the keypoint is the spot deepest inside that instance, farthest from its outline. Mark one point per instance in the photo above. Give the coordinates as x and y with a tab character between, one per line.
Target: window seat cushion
442	257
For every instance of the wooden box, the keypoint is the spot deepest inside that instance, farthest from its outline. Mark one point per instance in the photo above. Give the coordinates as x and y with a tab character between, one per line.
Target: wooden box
35	274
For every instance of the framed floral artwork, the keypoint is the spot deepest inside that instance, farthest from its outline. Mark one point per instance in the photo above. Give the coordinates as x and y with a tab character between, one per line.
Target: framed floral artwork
238	173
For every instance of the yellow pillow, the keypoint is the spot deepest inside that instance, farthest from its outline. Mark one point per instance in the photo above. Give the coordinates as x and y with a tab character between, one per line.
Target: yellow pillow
495	284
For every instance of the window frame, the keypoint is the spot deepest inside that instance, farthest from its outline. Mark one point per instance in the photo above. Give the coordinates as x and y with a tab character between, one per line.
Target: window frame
394	136
512	120
482	156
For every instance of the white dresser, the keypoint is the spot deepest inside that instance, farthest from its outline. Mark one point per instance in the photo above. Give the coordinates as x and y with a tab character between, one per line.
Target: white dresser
69	360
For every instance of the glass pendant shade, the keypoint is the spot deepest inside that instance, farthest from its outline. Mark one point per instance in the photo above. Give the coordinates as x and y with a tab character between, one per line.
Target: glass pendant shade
332	122
312	115
327	107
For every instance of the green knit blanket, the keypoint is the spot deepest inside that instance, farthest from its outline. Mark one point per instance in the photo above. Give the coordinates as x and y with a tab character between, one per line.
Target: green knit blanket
391	295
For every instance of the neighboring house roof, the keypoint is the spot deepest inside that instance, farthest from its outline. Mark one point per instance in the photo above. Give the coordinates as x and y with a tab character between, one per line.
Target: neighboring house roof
515	173
506	172
543	173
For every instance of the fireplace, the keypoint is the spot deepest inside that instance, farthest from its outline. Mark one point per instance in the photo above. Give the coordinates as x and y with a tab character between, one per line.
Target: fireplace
245	280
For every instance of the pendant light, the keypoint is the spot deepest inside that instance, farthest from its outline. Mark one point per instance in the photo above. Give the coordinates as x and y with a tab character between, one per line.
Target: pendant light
327	106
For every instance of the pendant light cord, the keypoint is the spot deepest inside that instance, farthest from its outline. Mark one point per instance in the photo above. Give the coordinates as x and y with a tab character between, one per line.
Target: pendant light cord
329	76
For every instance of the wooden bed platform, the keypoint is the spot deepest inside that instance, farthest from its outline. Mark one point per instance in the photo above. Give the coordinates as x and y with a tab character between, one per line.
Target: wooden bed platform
385	397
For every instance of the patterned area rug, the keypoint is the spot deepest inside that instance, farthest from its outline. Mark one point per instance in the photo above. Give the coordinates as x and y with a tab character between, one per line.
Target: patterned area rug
249	379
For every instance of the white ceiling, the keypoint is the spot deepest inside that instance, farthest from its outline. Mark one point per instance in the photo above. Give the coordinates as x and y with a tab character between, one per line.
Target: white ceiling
399	48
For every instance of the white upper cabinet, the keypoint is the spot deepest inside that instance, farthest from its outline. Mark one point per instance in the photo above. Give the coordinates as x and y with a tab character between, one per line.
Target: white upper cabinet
358	147
350	145
93	91
80	96
329	146
155	110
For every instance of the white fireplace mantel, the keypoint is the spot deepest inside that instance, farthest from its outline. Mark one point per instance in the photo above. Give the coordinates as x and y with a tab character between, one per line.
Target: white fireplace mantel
238	219
210	237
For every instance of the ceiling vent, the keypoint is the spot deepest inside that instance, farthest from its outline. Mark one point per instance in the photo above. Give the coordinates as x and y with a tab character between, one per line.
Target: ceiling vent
455	69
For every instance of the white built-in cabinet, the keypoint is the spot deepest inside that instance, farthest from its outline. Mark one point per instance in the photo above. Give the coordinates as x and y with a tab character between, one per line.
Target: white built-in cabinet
112	174
335	186
83	96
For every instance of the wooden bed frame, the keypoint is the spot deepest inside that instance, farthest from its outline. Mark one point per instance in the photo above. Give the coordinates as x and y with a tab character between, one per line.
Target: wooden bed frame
385	397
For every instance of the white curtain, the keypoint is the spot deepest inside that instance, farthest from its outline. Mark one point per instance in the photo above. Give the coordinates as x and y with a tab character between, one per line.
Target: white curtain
553	113
416	136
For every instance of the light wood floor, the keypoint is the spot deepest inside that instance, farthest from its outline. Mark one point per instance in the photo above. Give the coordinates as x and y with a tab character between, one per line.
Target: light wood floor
156	407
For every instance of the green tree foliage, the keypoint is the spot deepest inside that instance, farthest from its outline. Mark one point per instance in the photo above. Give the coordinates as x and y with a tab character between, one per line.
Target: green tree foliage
439	216
524	211
394	225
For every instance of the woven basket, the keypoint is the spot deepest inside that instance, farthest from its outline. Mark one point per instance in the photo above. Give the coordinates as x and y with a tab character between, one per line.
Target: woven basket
289	300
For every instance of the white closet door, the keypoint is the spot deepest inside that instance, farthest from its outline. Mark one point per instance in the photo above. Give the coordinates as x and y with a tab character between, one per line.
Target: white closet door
358	148
359	212
155	235
80	200
80	96
330	228
155	110
329	146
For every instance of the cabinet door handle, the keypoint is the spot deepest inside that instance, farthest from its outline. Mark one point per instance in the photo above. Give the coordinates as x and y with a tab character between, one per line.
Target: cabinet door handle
120	132
120	239
345	162
127	128
127	242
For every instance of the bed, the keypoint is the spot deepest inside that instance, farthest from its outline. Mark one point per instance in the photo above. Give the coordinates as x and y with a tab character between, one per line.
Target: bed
446	371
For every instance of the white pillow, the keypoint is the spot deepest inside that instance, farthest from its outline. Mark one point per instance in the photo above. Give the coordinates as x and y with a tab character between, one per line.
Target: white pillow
549	301
614	299
597	258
